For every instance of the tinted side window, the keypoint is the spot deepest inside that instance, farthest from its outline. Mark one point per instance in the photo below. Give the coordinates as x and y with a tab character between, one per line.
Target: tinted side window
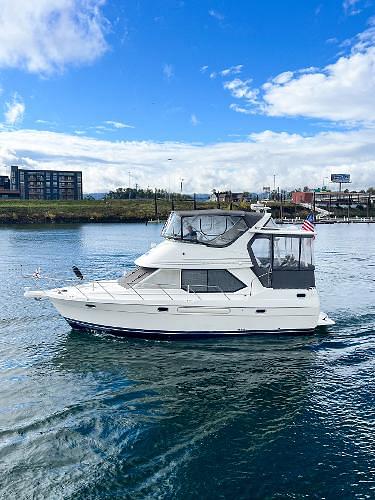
134	277
221	280
210	280
194	280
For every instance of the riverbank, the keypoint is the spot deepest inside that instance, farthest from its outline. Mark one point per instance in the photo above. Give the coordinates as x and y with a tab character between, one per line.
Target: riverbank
38	211
99	211
95	211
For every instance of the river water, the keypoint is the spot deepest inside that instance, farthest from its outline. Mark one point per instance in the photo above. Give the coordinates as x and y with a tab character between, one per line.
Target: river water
268	416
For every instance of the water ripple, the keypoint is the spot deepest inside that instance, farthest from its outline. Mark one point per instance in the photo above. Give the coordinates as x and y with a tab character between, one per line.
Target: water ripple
268	416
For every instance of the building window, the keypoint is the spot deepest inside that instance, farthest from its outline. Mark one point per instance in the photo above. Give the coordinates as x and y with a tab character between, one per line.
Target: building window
210	281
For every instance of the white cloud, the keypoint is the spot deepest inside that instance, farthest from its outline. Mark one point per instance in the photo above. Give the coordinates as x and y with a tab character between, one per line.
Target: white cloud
282	78
351	7
194	120
241	89
204	69
118	124
243	165
43	36
342	92
216	15
233	70
240	109
43	122
15	110
168	71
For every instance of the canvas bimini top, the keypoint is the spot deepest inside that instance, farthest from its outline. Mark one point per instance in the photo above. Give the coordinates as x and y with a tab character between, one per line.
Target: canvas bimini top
216	228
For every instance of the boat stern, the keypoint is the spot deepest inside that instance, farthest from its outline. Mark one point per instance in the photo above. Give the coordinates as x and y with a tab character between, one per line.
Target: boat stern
325	320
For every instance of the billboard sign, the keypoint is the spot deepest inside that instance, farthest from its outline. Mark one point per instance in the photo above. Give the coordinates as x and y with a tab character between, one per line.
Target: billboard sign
340	178
267	189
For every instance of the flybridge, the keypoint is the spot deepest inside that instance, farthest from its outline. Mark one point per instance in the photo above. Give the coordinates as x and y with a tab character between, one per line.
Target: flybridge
216	228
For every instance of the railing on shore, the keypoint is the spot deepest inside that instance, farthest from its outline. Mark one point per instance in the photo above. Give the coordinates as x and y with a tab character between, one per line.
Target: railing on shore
328	220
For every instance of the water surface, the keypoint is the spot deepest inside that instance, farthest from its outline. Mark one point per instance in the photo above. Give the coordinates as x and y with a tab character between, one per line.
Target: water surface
268	416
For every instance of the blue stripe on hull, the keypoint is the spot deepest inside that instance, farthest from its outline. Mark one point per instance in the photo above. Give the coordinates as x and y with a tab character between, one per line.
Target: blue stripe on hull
160	334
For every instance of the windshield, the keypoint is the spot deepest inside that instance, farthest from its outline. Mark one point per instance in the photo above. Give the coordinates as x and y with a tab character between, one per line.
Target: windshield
211	230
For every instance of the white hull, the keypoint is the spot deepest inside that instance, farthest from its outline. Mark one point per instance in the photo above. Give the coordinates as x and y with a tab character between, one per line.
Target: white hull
236	316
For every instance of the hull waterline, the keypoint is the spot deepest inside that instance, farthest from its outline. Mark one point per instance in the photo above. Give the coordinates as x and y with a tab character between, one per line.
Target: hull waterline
173	335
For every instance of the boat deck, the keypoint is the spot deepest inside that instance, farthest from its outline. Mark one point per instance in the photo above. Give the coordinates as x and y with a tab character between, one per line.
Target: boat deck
111	291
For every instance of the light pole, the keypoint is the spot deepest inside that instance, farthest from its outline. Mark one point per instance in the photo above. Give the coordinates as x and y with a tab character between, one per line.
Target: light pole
181	180
129	183
169	182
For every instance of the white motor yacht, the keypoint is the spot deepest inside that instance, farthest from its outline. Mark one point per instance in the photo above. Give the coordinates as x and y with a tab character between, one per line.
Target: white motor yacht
217	272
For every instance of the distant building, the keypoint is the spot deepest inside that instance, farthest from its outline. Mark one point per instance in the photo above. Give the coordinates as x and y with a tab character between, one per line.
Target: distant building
4	182
302	197
46	184
228	196
5	191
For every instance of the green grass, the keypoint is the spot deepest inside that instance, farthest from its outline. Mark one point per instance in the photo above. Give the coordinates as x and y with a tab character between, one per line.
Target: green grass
32	211
38	211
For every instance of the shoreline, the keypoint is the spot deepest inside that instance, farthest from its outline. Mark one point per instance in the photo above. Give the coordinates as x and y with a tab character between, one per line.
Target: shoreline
31	212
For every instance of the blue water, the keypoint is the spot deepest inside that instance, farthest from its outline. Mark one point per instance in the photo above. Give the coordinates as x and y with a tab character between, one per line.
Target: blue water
270	416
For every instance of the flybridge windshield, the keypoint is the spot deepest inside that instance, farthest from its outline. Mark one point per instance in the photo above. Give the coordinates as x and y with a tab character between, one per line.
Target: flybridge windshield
211	230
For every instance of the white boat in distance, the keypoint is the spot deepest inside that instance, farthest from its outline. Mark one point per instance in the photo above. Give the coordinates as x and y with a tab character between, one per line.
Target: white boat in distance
216	273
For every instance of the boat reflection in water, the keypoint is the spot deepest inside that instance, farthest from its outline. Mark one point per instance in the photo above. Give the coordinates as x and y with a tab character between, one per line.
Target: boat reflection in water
149	415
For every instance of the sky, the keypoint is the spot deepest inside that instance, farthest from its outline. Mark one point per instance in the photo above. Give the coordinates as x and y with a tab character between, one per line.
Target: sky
222	94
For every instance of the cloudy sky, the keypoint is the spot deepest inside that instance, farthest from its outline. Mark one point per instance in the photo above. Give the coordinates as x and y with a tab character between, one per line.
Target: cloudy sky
220	93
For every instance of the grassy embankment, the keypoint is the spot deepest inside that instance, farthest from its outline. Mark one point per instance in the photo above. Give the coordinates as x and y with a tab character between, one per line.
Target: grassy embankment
33	212
36	212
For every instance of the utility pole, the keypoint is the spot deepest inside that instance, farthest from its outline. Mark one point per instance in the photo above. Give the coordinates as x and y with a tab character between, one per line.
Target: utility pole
155	205
169	182
314	204
281	206
368	206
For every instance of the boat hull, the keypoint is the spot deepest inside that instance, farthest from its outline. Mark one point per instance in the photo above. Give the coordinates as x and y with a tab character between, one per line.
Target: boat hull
169	335
187	321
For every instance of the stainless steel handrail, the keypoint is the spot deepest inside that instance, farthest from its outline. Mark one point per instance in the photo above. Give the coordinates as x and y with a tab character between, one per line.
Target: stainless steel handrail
268	273
80	291
217	287
101	286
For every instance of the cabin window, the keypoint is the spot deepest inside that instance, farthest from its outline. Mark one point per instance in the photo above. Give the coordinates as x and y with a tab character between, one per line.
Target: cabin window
136	276
210	230
261	256
163	279
286	252
306	261
210	281
261	247
283	261
172	228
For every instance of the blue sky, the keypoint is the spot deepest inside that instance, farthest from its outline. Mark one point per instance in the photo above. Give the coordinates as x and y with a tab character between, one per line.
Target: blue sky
233	92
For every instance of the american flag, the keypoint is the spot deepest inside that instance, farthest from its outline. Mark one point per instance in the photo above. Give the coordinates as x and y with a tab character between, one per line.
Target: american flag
308	223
